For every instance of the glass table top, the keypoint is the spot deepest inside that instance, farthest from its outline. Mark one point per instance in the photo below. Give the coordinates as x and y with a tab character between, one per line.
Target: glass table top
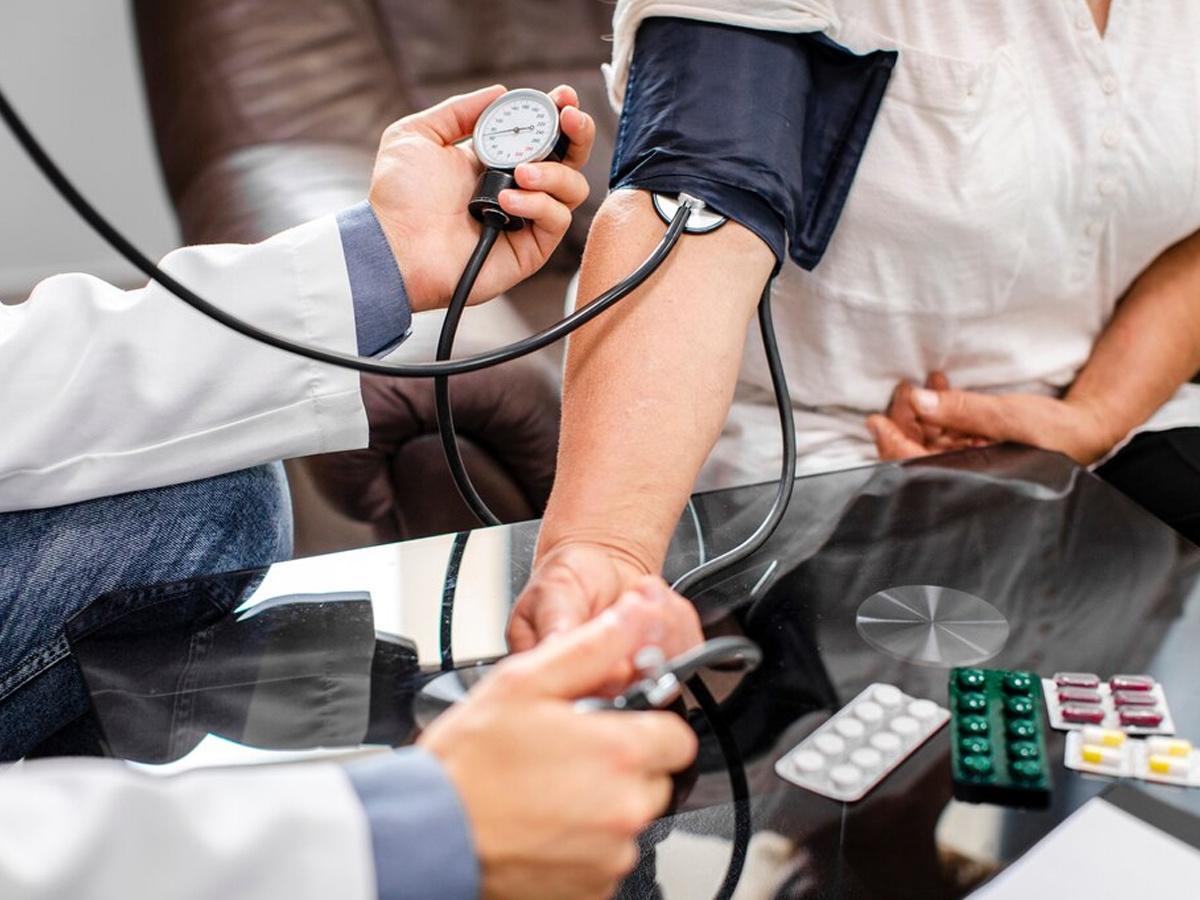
1004	556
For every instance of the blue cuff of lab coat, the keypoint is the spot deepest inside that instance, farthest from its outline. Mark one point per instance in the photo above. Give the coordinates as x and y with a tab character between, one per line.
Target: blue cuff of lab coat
382	312
419	834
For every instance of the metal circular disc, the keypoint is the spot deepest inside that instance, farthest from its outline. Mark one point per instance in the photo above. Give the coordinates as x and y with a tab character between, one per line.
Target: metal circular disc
932	626
701	221
540	152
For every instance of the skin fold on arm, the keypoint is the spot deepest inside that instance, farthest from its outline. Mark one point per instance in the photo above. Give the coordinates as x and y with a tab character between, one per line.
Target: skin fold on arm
646	390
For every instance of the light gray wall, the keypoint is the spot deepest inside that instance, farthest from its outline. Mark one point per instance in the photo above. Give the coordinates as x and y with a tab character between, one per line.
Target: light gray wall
71	69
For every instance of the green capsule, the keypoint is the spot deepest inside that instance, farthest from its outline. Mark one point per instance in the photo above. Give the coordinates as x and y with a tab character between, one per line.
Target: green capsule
1018	683
975	745
972	702
971	679
1018	707
973	725
1022	729
1025	769
1023	750
976	765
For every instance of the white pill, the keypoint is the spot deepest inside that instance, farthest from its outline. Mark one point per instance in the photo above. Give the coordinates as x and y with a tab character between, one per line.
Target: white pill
829	744
808	761
867	759
922	710
851	730
887	695
886	743
906	727
871	713
845	776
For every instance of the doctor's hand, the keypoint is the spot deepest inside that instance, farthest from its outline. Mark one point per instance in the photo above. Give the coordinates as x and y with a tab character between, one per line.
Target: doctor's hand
555	797
424	179
573	583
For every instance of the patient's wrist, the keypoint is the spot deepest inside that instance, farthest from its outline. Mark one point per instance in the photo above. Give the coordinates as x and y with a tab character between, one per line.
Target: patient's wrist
1099	427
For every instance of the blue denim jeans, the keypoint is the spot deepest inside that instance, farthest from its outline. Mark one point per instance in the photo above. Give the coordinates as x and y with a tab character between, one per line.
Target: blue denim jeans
54	562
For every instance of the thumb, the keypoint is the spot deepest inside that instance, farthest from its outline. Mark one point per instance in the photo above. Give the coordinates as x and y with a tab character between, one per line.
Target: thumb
584	660
982	415
454	118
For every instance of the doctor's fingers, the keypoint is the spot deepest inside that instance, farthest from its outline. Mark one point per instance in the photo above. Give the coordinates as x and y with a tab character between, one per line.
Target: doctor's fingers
549	220
451	120
563	183
578	126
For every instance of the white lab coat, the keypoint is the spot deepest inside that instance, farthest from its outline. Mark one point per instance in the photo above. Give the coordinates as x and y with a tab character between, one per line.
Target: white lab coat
95	830
107	391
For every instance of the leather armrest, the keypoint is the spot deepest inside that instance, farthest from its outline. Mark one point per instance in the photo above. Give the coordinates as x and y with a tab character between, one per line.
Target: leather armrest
255	192
223	76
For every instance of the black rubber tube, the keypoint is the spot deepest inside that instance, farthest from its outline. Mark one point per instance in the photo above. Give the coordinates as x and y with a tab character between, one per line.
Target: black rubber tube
689	581
441	384
140	261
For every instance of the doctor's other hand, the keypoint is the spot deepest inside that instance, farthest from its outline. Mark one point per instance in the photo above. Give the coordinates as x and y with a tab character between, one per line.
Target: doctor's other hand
556	797
573	583
424	179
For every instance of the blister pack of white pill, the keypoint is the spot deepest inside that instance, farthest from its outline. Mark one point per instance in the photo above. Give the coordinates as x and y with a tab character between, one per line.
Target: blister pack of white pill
862	743
1108	751
1134	704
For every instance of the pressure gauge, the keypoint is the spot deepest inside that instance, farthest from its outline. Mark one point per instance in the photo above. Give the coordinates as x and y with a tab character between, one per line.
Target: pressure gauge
519	127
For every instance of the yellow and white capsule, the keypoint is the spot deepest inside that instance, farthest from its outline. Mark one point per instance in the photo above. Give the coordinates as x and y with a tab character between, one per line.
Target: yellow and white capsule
1161	764
1103	737
1099	755
1165	746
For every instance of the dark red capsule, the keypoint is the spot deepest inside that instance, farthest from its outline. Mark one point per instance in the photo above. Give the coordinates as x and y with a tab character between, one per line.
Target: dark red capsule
1131	683
1076	679
1141	717
1078	712
1135	698
1078	695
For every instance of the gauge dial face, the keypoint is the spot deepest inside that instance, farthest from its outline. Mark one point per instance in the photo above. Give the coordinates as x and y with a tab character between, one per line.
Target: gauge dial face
519	127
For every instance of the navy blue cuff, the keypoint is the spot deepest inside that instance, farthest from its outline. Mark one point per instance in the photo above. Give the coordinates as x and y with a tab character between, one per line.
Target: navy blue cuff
419	834
382	312
767	128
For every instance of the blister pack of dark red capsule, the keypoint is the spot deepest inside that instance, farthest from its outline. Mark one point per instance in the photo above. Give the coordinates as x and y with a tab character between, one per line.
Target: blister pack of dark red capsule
1134	704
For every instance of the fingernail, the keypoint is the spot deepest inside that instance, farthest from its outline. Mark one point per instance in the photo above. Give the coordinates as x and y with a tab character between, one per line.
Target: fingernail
529	174
512	200
927	401
873	428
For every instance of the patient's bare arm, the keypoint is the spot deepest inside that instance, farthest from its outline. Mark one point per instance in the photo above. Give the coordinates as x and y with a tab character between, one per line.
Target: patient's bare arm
646	390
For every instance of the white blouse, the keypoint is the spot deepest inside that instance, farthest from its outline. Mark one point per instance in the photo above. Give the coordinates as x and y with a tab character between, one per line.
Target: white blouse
1023	171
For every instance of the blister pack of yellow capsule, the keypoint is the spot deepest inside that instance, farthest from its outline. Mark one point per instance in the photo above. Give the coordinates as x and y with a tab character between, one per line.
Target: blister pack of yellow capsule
1109	751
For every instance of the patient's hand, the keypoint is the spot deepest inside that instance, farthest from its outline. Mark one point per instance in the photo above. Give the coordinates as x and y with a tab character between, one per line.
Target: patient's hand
575	583
901	434
938	418
424	179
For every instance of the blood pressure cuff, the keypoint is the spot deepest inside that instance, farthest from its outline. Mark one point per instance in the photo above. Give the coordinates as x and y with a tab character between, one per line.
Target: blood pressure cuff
767	128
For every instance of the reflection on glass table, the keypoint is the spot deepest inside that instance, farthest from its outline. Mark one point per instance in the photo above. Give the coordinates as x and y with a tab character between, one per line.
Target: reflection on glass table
1008	557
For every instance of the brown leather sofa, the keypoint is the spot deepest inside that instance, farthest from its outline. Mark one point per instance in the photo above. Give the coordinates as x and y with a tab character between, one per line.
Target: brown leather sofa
268	113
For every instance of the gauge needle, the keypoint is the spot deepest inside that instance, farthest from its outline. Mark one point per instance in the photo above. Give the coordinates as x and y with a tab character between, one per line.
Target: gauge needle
516	130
